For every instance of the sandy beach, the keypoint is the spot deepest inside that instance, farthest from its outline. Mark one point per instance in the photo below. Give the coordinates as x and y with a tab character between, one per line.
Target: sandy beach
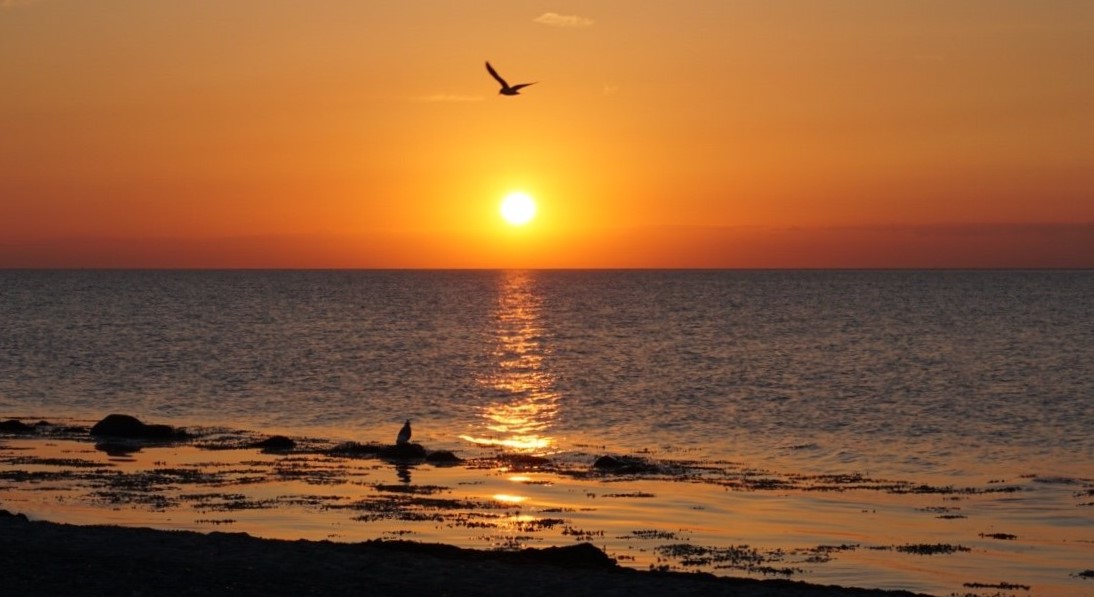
42	558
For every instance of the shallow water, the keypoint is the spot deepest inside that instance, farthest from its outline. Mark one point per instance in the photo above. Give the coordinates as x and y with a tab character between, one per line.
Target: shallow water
943	379
1027	535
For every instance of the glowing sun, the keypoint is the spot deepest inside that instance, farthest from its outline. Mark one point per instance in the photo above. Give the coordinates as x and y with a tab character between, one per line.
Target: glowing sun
518	208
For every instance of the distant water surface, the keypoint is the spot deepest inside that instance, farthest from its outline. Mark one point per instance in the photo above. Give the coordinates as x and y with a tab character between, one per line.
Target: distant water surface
893	372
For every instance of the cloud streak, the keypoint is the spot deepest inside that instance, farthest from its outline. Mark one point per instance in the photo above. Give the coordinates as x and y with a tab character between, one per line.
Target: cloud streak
553	19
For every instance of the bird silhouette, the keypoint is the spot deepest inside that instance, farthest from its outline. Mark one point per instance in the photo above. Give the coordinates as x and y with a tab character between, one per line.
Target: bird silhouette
506	89
404	434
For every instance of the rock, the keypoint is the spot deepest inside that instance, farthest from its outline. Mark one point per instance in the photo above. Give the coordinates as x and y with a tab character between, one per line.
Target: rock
276	443
406	451
116	448
627	465
607	462
356	449
582	555
443	457
131	427
6	514
14	426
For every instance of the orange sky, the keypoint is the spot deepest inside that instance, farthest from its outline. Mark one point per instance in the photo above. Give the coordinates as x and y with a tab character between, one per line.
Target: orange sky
710	133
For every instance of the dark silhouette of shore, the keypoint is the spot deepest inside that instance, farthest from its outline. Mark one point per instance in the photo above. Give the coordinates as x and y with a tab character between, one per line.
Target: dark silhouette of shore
47	559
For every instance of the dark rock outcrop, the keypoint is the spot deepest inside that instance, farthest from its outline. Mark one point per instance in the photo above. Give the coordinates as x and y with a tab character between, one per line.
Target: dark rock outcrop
627	465
406	451
400	452
15	426
131	427
443	457
582	555
276	443
352	449
118	448
608	463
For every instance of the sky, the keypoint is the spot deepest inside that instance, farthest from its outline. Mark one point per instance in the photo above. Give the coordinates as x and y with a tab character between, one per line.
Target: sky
693	134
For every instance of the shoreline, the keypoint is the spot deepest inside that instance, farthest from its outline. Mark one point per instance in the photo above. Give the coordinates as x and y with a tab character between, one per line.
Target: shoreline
151	485
46	558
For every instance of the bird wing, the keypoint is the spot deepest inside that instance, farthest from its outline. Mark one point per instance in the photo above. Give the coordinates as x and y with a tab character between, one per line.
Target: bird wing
494	73
522	86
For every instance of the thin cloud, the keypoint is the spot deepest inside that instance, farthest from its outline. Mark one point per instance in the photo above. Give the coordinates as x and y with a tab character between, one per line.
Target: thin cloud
448	97
14	3
553	19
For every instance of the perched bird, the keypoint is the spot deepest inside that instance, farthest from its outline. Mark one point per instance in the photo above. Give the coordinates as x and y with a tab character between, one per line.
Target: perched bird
505	88
404	434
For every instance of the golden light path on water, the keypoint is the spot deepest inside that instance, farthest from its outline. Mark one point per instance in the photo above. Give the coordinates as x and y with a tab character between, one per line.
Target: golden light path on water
528	403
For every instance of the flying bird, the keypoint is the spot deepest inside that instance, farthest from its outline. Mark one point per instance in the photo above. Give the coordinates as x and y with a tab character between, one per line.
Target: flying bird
506	89
404	434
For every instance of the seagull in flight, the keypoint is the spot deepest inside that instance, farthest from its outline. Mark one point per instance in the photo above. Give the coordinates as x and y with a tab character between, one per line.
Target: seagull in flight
505	88
404	434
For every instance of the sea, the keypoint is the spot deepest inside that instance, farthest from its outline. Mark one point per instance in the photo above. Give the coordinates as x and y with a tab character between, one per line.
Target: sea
942	378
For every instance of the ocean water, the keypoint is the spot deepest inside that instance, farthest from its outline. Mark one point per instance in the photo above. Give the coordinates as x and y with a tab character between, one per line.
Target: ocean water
886	371
832	423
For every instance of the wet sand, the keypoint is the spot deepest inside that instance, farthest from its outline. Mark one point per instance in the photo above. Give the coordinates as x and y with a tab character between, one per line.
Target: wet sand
42	558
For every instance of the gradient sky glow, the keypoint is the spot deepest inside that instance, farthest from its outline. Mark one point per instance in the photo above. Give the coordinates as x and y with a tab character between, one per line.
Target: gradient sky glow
706	133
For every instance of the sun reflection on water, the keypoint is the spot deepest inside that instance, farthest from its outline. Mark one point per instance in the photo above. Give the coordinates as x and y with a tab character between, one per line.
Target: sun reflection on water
528	404
508	498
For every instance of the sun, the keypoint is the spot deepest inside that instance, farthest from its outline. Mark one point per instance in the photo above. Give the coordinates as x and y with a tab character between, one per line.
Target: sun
518	208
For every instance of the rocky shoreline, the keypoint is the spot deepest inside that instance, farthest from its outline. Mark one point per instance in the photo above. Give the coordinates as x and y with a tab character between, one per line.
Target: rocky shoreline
47	559
327	501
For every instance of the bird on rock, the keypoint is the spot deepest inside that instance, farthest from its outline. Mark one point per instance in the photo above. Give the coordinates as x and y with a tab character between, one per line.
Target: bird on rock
404	434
